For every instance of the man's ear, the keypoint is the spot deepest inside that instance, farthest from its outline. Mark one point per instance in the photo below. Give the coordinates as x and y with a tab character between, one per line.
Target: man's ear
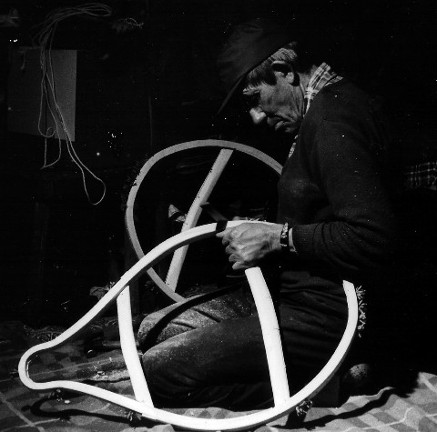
285	70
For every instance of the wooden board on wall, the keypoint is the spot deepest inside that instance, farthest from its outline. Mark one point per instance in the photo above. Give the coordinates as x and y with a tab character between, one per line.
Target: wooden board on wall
26	114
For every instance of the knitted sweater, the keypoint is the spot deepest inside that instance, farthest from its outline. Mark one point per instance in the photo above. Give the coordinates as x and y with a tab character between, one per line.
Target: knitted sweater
332	193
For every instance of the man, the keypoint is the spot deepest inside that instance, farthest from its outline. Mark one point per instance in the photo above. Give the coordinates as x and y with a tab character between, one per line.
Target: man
334	222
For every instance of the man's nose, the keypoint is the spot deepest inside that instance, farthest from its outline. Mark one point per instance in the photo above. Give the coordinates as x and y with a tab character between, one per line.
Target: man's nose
258	116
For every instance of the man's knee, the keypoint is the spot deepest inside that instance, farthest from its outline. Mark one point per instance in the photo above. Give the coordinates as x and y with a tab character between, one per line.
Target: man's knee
168	373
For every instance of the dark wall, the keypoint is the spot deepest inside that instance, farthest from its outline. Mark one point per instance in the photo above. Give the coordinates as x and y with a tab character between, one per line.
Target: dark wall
147	80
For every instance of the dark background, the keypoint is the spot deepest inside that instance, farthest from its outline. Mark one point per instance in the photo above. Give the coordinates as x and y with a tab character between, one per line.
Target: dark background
143	87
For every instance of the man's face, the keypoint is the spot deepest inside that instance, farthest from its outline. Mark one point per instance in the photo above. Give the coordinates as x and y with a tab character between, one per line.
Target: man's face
280	106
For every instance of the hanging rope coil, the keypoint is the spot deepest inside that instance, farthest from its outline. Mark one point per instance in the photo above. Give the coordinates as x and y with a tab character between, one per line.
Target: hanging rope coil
44	38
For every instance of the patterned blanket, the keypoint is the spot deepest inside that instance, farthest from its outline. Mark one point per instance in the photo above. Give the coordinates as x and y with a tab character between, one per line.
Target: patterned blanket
386	410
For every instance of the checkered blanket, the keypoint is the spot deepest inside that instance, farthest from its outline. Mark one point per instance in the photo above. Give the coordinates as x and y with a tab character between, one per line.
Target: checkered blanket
387	410
423	175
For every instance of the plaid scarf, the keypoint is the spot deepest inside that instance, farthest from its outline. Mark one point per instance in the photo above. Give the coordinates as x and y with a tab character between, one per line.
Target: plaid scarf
323	76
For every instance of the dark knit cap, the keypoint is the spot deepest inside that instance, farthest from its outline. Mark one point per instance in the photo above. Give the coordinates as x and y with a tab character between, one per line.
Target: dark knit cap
249	44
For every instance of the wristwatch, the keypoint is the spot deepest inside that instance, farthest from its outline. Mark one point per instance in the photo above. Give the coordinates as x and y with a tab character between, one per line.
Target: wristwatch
286	239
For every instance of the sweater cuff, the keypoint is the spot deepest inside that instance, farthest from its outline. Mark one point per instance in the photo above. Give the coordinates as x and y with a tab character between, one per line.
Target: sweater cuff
302	238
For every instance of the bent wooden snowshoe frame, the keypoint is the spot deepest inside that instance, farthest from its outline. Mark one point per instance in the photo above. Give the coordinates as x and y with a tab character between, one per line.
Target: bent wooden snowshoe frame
284	403
225	151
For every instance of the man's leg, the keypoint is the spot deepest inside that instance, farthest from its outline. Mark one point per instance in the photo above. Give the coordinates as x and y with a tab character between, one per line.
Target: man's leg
233	302
223	365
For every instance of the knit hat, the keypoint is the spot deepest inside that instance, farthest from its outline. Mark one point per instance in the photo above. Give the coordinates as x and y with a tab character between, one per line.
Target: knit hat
249	44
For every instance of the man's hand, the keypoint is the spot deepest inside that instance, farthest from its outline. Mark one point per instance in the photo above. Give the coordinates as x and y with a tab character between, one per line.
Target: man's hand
249	243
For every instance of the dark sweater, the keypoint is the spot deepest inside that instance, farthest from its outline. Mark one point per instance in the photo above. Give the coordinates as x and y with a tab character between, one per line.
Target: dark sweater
332	193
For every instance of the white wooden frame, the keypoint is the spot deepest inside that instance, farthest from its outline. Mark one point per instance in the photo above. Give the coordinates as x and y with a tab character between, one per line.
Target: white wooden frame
142	403
227	148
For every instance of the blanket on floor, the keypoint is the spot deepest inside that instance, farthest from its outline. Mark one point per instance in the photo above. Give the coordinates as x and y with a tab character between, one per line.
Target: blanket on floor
388	409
